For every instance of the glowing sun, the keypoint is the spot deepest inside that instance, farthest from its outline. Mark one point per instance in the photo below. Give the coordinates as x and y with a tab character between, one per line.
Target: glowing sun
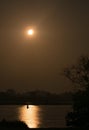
30	32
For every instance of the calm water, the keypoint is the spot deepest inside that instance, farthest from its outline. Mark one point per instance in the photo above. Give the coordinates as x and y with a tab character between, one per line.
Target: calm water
36	116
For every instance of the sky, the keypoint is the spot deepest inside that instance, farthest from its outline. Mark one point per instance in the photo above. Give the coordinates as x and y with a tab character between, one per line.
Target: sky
61	36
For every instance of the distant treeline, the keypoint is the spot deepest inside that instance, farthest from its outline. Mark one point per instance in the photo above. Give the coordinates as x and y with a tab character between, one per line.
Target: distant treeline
10	96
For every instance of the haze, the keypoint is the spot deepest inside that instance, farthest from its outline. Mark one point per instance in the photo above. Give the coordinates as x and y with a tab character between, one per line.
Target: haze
61	36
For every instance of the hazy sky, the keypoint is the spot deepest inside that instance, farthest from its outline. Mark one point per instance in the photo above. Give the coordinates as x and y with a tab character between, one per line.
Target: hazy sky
61	35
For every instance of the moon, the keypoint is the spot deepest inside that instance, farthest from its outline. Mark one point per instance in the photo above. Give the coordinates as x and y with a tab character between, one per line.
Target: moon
30	32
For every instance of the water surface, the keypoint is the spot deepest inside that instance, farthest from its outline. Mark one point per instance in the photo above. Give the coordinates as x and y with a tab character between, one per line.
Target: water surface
36	116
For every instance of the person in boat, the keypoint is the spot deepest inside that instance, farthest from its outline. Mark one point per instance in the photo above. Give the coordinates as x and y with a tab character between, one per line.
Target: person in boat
27	106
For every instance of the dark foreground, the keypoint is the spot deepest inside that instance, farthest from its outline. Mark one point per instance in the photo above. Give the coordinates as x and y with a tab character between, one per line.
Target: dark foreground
13	125
18	125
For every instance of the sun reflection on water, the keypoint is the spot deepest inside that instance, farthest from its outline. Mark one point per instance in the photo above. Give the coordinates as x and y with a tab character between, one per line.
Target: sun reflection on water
30	116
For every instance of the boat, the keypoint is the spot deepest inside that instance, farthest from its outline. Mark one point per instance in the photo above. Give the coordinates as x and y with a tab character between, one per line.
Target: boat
27	106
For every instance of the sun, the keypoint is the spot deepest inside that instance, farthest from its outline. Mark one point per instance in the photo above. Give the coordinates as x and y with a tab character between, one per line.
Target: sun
30	32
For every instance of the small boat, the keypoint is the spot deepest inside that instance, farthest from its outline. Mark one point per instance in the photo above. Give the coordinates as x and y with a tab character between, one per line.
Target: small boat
27	106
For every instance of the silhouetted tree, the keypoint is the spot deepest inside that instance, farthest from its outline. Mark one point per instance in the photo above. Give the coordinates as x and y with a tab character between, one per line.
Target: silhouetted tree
79	75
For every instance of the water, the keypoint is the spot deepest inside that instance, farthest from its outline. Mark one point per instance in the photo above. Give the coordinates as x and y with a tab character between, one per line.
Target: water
36	116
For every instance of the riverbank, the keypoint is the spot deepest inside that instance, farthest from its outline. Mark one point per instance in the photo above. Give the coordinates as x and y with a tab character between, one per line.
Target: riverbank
14	125
18	125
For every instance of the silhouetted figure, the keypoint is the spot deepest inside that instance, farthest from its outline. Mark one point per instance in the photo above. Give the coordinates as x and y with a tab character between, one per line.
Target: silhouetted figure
27	106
